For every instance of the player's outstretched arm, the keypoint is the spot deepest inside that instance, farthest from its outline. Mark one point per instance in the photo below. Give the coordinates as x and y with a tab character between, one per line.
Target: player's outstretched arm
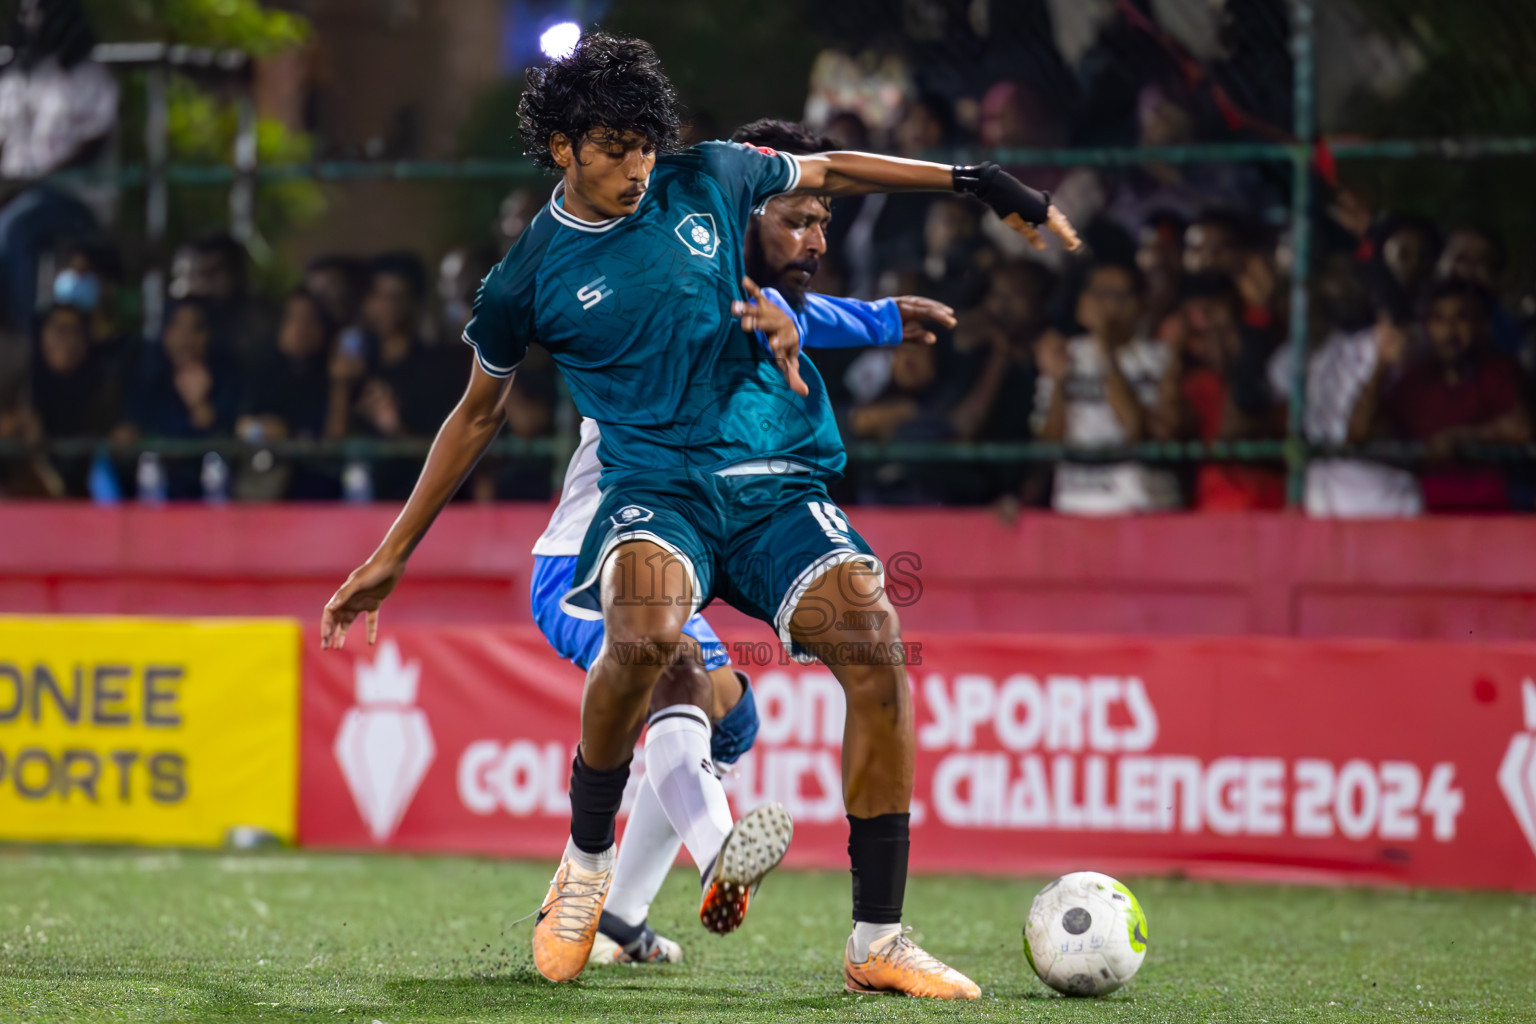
464	436
1021	207
832	322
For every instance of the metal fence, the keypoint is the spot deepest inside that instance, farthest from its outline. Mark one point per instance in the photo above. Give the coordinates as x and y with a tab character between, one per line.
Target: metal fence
243	175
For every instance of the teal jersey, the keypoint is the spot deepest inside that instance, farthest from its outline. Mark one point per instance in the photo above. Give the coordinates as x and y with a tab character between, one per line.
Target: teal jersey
636	312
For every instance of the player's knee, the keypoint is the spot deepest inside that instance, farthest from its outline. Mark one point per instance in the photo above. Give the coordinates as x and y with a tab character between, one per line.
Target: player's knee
684	681
644	636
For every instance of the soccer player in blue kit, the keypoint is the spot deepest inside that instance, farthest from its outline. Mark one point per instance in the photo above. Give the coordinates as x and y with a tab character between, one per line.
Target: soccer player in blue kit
716	450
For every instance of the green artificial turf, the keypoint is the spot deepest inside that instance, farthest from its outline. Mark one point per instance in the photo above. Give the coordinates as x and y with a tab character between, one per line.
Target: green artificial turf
142	935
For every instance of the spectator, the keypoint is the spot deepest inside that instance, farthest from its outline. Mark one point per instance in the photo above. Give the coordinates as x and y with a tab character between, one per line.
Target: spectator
530	415
1123	60
1098	390
89	279
337	282
914	407
186	388
215	269
1254	66
287	389
1406	250
1477	254
1217	241
1461	391
517	211
1014	116
848	130
886	238
1338	371
1473	254
956	261
1005	331
1160	258
1004	334
287	395
58	108
910	395
406	389
1216	388
28	475
74	392
458	280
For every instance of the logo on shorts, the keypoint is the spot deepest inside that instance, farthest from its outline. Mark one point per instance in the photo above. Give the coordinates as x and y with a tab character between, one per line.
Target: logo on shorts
697	232
629	515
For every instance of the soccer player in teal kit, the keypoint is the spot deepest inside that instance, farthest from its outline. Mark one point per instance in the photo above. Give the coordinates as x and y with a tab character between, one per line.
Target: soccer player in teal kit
716	451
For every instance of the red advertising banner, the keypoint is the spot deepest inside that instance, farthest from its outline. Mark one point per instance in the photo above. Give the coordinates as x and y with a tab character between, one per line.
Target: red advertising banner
1356	761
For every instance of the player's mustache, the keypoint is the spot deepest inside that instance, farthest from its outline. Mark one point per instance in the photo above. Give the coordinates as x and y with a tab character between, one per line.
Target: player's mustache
809	265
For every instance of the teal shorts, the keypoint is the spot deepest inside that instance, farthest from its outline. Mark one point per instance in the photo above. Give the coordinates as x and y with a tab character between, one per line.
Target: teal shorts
757	540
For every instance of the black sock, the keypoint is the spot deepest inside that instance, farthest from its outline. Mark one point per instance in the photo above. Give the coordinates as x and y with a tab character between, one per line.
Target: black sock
877	849
595	799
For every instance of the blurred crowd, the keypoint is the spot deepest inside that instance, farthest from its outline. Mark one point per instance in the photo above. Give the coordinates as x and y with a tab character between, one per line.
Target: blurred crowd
1175	325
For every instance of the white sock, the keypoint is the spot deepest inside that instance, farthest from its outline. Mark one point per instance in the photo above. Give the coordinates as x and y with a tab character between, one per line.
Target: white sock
677	766
588	861
646	853
866	935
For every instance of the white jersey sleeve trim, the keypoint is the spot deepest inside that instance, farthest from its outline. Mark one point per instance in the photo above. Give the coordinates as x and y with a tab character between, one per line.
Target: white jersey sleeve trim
794	174
502	372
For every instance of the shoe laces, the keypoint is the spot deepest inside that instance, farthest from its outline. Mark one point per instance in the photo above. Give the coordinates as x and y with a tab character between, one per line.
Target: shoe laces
575	905
904	954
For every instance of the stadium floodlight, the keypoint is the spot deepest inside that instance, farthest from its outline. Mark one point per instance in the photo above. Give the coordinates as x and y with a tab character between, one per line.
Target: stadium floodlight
560	40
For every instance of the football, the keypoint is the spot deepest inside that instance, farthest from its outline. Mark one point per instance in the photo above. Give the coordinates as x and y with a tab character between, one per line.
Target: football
1086	934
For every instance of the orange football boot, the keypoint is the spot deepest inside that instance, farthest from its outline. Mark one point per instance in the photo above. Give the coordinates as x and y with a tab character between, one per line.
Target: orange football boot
567	923
898	966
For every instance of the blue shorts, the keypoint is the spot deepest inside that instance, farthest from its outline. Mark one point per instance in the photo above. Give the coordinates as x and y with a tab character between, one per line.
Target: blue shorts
580	639
758	541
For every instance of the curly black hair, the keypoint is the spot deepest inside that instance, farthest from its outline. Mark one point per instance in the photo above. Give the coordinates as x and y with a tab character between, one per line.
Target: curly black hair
606	82
783	136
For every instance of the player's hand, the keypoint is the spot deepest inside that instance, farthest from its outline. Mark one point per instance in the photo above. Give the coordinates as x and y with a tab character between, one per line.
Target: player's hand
779	327
366	589
916	311
1055	221
1020	207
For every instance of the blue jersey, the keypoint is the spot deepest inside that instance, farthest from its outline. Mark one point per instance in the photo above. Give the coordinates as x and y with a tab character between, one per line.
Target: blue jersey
636	313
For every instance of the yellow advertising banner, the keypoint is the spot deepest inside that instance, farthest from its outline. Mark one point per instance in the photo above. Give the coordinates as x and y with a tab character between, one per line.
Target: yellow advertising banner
147	731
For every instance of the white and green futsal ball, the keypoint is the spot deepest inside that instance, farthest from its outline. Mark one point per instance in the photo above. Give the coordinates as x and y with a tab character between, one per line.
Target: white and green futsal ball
1086	934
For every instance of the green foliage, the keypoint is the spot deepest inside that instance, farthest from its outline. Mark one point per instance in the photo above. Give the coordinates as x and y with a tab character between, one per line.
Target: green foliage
202	128
234	24
203	121
1476	78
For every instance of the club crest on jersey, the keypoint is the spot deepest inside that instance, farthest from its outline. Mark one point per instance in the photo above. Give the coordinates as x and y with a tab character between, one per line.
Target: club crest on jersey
697	232
629	515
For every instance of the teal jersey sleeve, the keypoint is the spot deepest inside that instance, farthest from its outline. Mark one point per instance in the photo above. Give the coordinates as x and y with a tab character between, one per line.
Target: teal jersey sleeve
749	174
501	326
